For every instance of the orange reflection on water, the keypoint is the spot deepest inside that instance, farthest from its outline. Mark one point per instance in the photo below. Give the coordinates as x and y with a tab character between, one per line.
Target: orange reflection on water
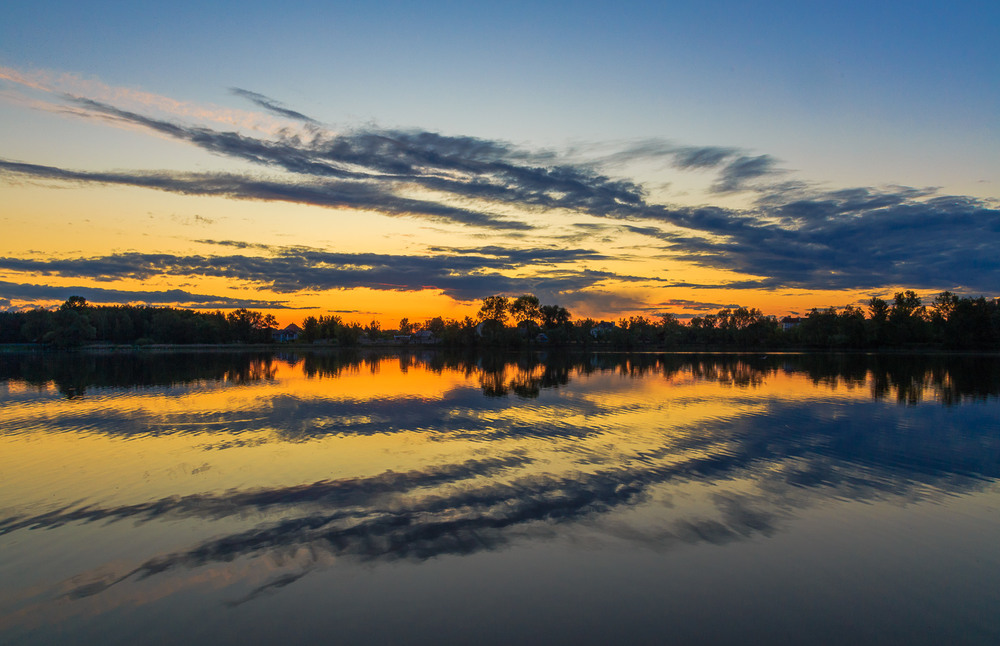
221	480
289	425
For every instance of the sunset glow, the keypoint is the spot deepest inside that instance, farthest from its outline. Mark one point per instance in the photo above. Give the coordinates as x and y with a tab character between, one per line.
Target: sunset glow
651	173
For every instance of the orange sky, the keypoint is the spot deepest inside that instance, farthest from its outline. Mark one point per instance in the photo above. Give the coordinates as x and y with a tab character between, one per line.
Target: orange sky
120	194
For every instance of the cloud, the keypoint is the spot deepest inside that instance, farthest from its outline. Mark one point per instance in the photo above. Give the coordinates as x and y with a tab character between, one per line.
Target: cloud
464	274
60	84
677	156
526	256
698	306
793	235
702	156
466	167
28	292
738	172
364	196
858	239
269	104
597	301
848	239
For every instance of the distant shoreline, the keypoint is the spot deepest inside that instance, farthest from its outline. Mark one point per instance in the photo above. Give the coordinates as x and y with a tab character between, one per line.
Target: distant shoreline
20	348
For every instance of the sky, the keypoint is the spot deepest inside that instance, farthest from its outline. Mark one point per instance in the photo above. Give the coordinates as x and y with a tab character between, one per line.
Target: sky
388	159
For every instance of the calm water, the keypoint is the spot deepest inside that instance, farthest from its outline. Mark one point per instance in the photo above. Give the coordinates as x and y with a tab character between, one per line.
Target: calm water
695	499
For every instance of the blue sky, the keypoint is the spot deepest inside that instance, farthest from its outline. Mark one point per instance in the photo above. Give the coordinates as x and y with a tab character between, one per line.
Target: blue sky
759	75
836	95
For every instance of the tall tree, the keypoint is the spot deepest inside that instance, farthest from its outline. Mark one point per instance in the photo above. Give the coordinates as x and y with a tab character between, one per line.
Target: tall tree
525	310
495	308
554	316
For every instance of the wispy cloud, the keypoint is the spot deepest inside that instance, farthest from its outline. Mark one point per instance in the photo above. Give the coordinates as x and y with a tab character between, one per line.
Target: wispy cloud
269	104
464	167
858	239
325	193
789	235
698	306
464	274
737	173
59	84
29	292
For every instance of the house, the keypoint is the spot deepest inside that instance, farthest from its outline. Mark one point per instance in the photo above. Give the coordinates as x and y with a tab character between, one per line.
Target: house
289	333
424	337
789	322
602	330
489	328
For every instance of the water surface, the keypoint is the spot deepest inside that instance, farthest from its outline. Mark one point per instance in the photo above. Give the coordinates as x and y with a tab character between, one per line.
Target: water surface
422	498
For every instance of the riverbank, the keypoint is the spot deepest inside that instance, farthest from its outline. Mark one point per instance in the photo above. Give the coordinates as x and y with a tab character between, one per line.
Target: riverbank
104	348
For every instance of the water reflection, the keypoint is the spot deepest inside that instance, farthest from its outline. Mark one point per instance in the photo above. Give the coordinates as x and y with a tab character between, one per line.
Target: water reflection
906	378
384	458
73	374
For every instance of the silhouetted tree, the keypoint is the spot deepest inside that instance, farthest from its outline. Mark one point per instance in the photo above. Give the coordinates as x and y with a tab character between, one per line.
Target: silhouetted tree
495	308
525	310
553	316
878	318
310	329
907	318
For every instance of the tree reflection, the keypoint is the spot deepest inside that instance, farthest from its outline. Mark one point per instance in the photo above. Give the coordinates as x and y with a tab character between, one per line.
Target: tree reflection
760	466
74	374
948	379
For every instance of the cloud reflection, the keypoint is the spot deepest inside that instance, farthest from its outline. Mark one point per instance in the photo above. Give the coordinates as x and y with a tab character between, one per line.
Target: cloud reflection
537	477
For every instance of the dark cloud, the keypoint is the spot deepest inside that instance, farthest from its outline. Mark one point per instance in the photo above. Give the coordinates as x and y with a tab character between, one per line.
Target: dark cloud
652	232
606	299
466	167
269	104
464	274
858	239
598	300
736	284
680	157
702	156
526	256
240	244
288	153
181	298
355	195
794	236
698	306
739	171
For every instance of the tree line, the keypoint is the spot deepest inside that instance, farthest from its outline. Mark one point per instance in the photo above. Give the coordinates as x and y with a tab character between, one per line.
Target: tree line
77	322
949	321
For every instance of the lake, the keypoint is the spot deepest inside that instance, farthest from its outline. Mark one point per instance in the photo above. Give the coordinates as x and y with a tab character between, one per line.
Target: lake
232	498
